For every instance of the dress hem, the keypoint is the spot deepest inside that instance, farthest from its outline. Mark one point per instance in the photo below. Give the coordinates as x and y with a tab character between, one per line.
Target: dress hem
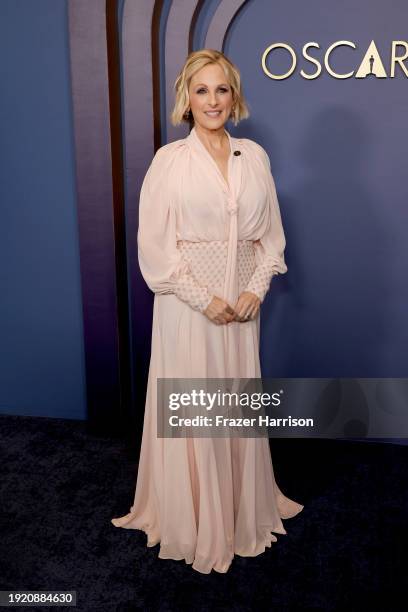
205	566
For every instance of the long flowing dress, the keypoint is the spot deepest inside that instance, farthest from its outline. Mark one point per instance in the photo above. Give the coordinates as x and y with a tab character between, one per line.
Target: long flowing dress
206	499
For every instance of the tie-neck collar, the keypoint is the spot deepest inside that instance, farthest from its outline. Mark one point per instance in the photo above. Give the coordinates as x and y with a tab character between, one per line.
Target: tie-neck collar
195	142
232	193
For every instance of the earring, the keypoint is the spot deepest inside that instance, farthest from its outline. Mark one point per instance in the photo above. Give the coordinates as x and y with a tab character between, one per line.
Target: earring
187	115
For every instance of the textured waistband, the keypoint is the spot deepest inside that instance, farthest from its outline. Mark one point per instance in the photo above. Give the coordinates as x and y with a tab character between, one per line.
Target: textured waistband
207	242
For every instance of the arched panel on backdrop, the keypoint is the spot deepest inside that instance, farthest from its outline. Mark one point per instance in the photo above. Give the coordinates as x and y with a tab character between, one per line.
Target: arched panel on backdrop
221	22
140	31
99	174
176	48
125	57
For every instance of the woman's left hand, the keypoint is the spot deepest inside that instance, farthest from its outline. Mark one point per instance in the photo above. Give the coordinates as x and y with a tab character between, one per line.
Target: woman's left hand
247	306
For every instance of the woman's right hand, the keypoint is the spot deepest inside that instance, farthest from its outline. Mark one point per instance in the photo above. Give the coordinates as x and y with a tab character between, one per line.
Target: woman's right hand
219	311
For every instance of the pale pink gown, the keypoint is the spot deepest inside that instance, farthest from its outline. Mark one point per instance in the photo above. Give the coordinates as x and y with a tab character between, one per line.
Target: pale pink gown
206	499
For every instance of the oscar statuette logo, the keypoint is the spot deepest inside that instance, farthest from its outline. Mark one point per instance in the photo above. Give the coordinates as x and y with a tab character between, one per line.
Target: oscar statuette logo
371	65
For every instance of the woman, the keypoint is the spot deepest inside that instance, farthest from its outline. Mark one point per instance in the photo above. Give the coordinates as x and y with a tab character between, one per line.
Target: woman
210	239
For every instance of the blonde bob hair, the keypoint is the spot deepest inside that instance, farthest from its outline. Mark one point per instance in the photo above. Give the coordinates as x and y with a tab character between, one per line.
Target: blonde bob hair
194	62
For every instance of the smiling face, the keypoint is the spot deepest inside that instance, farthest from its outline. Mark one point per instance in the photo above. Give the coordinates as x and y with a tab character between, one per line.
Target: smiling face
210	97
